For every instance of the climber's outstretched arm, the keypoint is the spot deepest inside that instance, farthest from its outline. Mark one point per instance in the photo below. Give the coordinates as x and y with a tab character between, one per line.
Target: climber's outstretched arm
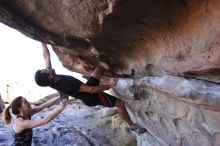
46	55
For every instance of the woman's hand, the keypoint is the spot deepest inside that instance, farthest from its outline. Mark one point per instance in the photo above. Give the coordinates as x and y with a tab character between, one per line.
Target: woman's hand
63	103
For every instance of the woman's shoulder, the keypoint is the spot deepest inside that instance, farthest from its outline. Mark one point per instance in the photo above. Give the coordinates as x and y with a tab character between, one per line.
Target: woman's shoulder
19	123
18	119
21	119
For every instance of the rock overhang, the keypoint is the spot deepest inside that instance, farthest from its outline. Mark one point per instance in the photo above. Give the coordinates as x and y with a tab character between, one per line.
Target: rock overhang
174	36
172	42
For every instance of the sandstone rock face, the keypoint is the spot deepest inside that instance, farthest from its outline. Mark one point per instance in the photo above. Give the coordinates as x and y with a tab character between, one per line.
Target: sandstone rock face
175	110
171	46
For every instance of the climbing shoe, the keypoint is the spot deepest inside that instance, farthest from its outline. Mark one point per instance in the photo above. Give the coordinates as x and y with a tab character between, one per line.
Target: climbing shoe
137	129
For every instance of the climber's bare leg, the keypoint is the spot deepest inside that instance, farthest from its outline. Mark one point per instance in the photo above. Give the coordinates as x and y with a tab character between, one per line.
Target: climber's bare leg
97	73
122	111
109	73
102	69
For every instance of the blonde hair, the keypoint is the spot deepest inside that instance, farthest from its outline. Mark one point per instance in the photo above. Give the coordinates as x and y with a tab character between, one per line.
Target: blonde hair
14	106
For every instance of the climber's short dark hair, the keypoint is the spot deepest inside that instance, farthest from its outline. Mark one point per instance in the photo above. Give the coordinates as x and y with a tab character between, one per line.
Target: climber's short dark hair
41	78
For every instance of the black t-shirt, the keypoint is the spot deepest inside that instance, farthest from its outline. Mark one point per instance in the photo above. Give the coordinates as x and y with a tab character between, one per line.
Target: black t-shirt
70	86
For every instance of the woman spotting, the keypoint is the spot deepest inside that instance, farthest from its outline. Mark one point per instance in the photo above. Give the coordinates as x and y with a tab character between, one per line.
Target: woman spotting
23	124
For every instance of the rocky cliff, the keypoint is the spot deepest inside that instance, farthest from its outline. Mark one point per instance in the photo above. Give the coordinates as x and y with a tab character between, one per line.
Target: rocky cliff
171	47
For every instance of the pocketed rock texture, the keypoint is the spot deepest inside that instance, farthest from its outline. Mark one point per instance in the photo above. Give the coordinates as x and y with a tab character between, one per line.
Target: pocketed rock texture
173	109
171	47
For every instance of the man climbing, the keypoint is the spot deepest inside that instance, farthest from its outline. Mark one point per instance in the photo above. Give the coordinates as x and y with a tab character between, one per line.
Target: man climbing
91	93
